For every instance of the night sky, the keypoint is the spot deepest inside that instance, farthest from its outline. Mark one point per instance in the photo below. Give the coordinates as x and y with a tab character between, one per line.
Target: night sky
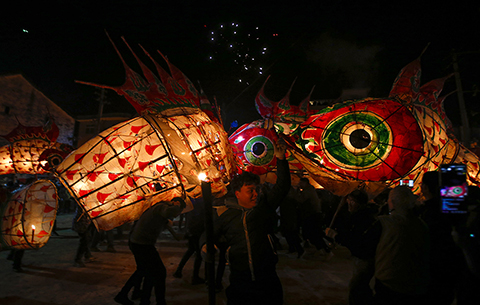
232	47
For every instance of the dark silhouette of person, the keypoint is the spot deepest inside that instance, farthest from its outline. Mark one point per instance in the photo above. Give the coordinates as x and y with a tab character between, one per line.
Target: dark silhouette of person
402	256
195	224
142	240
85	230
311	216
289	223
101	235
445	255
16	255
468	232
360	233
220	243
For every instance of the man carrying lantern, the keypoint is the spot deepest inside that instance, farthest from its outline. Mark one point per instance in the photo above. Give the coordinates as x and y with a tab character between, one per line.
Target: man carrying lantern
142	240
245	226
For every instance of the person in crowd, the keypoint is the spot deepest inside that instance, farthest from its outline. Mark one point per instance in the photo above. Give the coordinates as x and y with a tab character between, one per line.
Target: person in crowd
85	230
220	243
330	203
16	255
101	235
468	234
222	263
381	201
360	233
142	240
289	223
251	255
402	255
445	256
274	220
195	224
310	210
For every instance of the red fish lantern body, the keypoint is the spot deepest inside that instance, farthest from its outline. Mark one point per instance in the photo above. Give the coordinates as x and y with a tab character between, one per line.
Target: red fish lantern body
253	146
373	143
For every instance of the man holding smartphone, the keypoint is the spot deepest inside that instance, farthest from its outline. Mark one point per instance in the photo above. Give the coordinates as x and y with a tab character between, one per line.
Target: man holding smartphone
445	256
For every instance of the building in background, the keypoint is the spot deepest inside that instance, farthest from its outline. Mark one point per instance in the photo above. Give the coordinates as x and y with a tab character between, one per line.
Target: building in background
88	126
21	102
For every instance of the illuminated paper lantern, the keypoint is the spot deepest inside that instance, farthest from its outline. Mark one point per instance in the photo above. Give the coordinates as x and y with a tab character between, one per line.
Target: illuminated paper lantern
253	146
133	165
28	216
32	150
372	143
155	157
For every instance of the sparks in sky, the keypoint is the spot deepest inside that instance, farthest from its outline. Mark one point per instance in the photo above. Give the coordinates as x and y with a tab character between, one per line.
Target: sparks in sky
242	46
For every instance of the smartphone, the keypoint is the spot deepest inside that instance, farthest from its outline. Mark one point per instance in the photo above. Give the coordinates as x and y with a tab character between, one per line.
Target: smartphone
453	188
407	182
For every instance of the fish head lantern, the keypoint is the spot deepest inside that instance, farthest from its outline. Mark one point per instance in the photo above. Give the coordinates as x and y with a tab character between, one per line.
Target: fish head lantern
372	143
32	150
253	146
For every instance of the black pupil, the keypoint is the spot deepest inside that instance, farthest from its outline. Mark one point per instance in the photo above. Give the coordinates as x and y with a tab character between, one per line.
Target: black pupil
258	149
360	138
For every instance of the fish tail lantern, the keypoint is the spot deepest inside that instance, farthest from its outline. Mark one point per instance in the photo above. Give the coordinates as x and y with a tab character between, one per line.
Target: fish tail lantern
32	150
154	157
28	216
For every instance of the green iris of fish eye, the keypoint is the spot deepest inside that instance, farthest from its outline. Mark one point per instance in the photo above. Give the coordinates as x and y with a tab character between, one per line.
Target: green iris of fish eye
259	150
333	144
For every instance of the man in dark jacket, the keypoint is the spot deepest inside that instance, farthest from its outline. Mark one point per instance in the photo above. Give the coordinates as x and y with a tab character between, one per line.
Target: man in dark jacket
142	240
245	226
195	222
402	255
445	256
360	233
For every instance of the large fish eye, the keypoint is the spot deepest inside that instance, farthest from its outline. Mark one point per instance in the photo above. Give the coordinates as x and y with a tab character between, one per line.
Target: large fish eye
360	138
360	134
374	140
259	150
55	160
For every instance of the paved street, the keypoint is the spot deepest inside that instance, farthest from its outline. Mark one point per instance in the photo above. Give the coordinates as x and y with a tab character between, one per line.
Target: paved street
49	276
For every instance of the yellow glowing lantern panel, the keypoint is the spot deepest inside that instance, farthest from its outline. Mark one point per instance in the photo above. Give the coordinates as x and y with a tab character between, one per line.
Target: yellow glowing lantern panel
129	167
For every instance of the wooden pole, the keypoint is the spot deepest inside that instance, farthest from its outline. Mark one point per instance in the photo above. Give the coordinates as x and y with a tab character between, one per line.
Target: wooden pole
210	261
465	130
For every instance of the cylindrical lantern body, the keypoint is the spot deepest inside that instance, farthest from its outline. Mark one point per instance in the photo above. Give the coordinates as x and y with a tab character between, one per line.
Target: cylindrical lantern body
129	167
28	217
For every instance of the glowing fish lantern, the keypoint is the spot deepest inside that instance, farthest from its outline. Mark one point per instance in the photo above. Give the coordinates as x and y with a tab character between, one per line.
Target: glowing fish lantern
32	150
252	145
28	216
129	167
373	143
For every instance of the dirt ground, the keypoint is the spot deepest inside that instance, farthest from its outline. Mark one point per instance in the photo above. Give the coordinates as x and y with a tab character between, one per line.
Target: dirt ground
50	276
